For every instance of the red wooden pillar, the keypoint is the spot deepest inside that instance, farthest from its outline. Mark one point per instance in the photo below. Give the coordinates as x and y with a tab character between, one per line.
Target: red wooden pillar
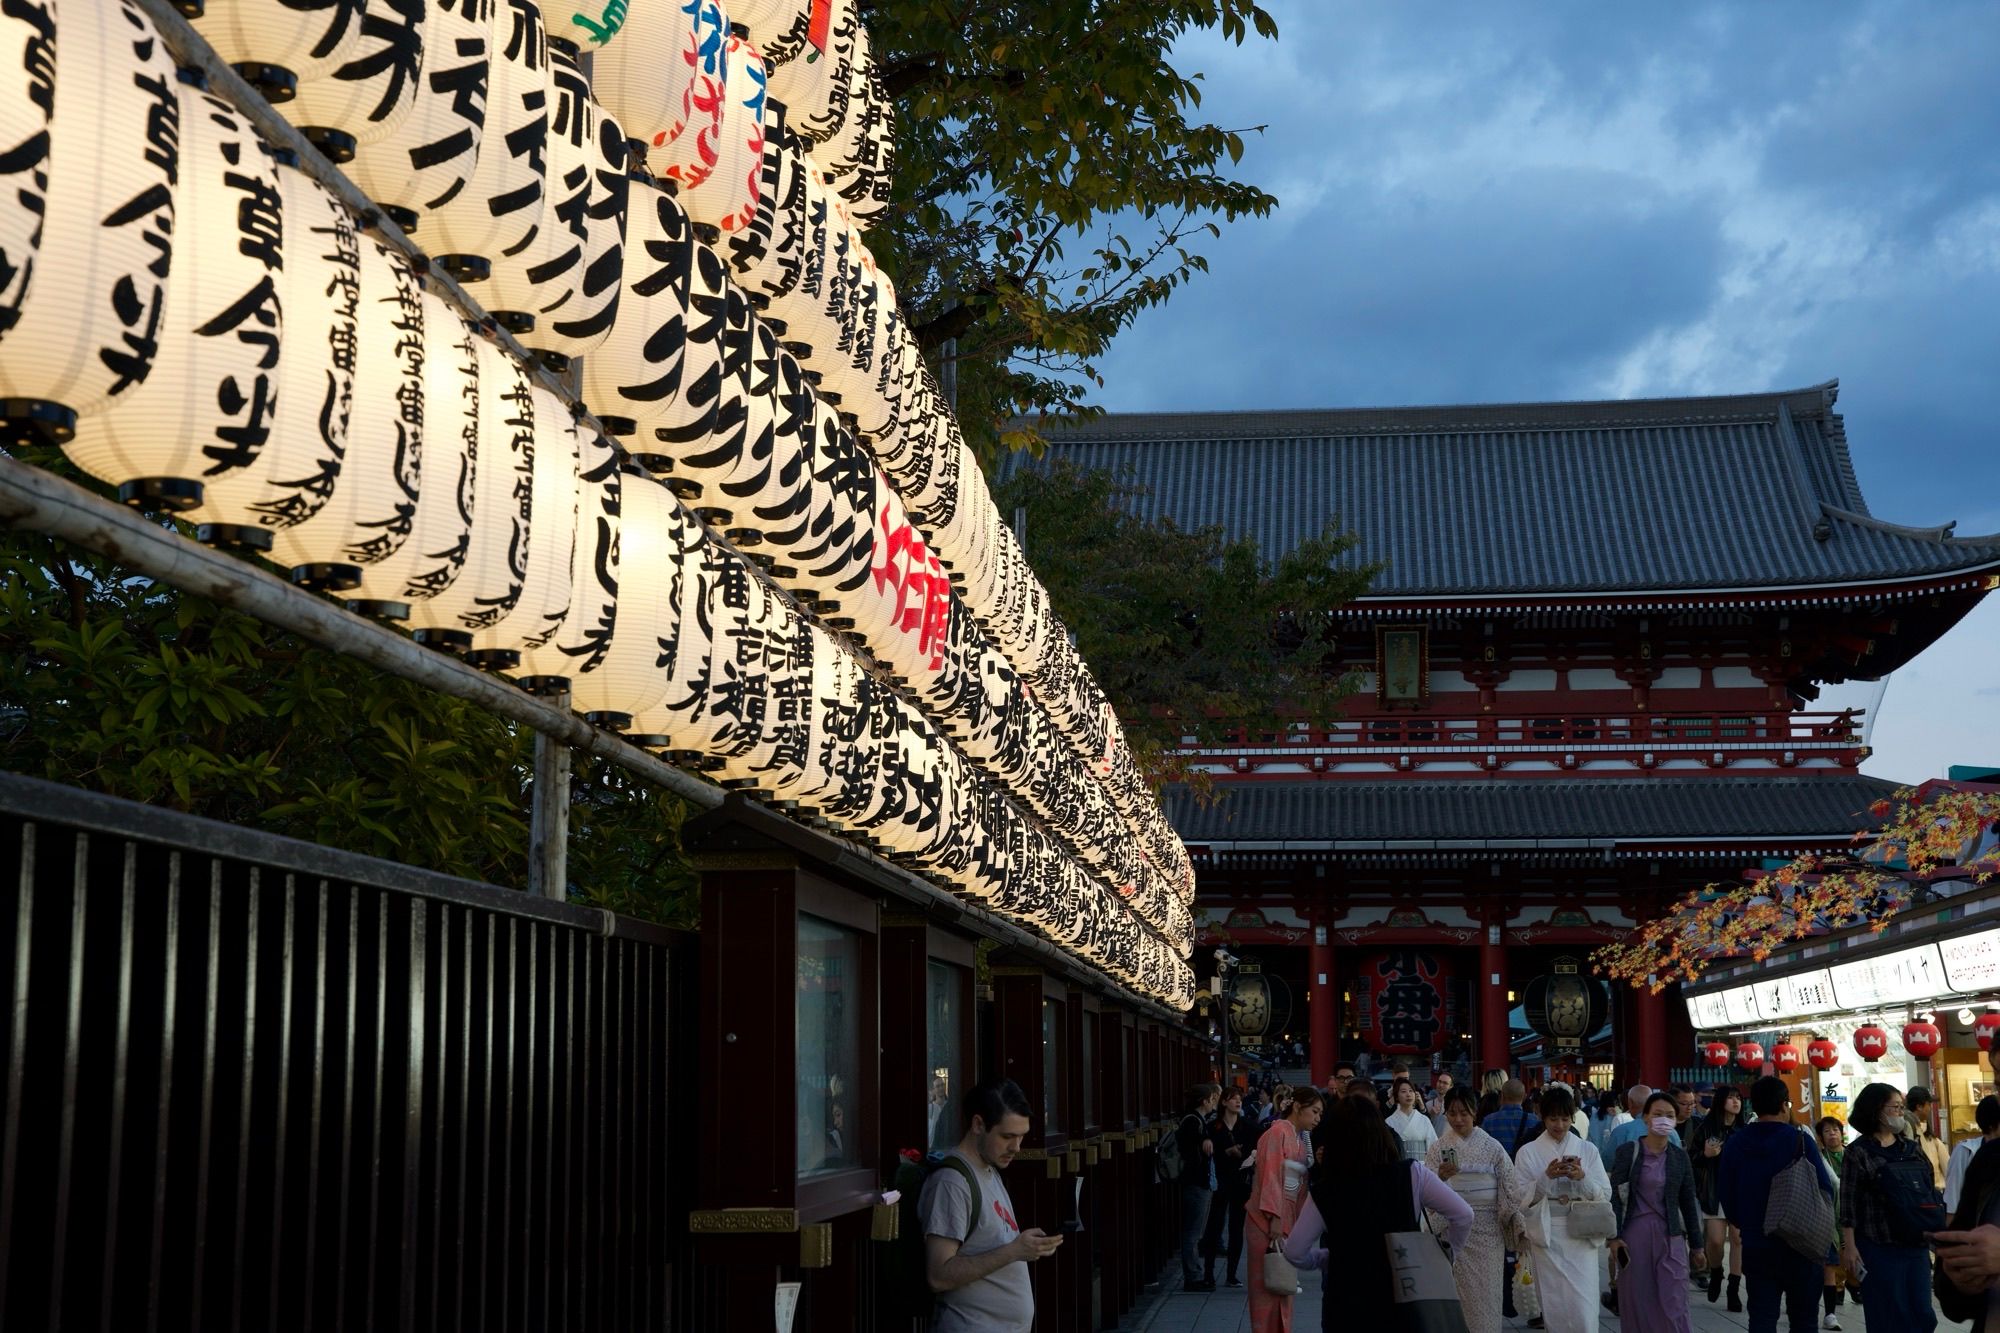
1493	1043
1649	1013
1322	1007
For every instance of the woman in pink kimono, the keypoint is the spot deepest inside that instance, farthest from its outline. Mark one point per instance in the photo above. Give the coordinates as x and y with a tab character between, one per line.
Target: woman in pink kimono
1283	1163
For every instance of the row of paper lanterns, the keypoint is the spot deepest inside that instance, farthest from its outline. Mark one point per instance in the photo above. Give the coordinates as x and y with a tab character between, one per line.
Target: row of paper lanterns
1921	1038
784	203
263	427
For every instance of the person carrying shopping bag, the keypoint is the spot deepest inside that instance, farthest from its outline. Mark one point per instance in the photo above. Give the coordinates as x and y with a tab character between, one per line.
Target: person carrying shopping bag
1659	1225
1277	1196
1561	1188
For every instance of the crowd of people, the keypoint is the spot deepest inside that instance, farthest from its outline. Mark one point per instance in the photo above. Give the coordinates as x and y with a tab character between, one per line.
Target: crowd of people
1560	1202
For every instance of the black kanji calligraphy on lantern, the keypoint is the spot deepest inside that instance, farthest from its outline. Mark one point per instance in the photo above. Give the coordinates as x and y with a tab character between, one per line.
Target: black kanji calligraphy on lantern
1404	1002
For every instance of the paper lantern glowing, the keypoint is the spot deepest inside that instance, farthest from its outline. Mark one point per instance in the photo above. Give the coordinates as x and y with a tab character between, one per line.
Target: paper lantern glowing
1871	1043
578	645
628	683
27	106
634	376
205	410
88	328
489	585
733	149
688	63
1750	1057
275	43
428	157
646	78
371	507
581	315
1922	1039
365	98
490	220
543	601
1715	1054
1785	1059
1822	1054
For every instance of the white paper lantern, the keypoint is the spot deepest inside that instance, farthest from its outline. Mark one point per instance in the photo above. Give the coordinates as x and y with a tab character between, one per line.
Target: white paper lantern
683	634
205	411
688	62
275	43
27	108
319	292
543	603
427	159
501	204
868	181
629	682
580	644
373	503
88	329
592	27
767	257
489	585
644	78
814	90
364	99
447	446
686	422
542	284
580	315
634	376
726	197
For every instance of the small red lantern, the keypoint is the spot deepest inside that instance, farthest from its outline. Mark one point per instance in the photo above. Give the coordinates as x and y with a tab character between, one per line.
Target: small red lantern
1922	1039
1716	1053
1750	1057
1985	1029
1871	1043
1822	1054
1786	1058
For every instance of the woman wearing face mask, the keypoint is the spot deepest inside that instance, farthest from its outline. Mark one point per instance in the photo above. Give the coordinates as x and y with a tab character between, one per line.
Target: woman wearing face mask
1882	1244
1559	1166
1705	1145
1833	1147
1479	1171
1659	1225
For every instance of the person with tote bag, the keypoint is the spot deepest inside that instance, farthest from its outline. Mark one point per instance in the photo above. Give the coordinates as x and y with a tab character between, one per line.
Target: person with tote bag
1283	1164
1659	1225
1478	1170
1366	1219
1562	1191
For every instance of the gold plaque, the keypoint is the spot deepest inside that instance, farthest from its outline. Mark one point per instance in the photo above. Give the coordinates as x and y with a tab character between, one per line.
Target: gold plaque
816	1245
743	1221
885	1221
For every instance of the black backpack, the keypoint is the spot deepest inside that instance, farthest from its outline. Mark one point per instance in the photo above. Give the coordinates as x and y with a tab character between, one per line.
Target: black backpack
906	1288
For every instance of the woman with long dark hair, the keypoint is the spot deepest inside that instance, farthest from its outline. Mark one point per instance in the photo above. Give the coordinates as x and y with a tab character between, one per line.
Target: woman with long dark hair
1365	1190
1705	1144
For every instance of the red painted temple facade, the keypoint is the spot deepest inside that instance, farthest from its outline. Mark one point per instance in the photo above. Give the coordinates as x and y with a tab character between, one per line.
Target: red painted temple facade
1588	681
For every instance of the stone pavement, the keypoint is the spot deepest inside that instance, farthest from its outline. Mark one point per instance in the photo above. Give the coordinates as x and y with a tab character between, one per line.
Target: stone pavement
1226	1311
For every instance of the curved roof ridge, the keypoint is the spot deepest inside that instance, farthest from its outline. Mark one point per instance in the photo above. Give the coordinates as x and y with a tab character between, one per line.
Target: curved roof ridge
1297	422
1944	532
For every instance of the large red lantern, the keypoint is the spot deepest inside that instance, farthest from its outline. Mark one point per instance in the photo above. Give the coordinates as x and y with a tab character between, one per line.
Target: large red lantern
1716	1053
1822	1054
1785	1058
1922	1039
1750	1057
1871	1043
1985	1028
1406	1002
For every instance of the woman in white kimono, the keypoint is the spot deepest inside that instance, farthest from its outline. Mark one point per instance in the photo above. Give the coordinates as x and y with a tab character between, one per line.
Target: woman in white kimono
1558	1165
1477	1168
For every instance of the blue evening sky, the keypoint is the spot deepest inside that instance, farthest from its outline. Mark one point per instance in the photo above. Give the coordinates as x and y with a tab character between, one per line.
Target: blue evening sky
1513	201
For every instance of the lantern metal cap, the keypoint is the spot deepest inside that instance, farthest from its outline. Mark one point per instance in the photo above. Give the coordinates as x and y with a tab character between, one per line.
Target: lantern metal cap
173	494
651	740
379	608
465	268
239	536
276	83
327	576
453	641
405	218
619	426
744	536
38	421
606	719
685	488
493	659
714	514
543	686
335	145
516	322
708	233
657	464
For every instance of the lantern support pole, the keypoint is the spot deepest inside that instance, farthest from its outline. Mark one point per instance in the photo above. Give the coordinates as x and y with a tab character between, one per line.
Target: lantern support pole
548	816
38	501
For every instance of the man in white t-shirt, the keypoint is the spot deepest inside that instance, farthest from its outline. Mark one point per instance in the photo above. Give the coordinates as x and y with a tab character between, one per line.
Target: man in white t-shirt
976	1256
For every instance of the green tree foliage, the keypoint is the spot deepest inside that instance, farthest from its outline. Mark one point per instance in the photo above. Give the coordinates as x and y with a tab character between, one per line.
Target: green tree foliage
1052	182
120	685
1190	633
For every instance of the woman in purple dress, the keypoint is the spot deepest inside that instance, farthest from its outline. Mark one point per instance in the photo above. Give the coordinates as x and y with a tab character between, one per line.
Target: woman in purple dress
1659	1225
